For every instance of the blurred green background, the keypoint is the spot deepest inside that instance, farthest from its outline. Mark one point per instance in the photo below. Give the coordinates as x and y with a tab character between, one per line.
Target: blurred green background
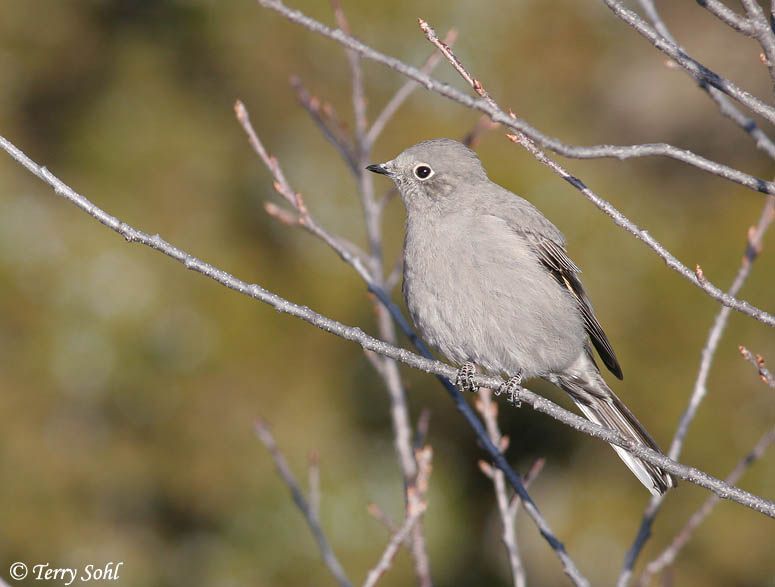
129	386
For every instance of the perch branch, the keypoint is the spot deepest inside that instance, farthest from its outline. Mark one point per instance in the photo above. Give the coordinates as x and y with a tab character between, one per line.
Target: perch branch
512	122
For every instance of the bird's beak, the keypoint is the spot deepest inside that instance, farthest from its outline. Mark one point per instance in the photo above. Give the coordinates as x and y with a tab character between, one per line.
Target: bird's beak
380	168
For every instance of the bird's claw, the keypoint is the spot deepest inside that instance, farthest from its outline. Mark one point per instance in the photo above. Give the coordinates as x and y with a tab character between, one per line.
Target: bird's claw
464	380
511	387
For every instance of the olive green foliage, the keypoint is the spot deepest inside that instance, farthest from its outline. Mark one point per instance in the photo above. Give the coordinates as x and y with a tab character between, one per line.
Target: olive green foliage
128	386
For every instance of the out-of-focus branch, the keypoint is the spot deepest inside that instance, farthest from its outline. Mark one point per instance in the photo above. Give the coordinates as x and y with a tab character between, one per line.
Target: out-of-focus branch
668	556
694	67
438	368
310	513
416	507
381	365
758	361
372	211
753	248
489	410
516	124
404	92
332	129
348	251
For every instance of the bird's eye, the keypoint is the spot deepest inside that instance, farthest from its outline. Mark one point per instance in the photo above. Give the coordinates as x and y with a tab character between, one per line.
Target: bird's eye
423	171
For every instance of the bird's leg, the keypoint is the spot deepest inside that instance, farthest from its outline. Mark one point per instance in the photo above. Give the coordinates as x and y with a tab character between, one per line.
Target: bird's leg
511	387
464	380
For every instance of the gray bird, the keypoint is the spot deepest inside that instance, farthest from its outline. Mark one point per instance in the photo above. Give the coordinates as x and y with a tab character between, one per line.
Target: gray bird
487	282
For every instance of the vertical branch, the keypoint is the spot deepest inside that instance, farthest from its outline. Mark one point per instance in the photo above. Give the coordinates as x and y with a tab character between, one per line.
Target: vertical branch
415	509
489	411
372	211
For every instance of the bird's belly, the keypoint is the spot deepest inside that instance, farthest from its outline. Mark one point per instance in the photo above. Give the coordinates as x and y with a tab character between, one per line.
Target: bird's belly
497	308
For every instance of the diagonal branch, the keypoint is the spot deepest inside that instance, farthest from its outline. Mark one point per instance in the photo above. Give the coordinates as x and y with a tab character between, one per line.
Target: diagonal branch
404	92
757	361
489	410
763	33
753	248
309	511
724	104
668	556
512	122
355	334
693	67
417	505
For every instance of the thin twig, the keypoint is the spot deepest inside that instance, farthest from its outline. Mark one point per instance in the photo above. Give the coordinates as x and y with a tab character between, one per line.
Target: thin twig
758	361
372	211
423	424
728	16
341	246
314	483
381	516
310	515
426	362
489	411
332	132
692	66
512	122
438	368
724	104
753	248
530	476
668	556
404	92
763	33
415	510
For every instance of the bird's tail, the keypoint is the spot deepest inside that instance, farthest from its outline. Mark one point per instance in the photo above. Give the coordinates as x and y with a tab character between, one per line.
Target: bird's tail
600	405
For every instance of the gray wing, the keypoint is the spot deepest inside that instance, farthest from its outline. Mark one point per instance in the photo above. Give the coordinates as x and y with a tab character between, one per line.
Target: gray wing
554	257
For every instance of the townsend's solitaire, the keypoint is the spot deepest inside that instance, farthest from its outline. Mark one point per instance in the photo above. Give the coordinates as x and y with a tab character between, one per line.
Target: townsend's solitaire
487	281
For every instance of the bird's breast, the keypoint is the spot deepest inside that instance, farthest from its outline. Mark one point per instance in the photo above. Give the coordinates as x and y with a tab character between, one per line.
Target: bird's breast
477	292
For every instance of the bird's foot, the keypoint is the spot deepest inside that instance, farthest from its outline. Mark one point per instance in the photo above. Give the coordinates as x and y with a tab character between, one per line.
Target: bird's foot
464	380
511	387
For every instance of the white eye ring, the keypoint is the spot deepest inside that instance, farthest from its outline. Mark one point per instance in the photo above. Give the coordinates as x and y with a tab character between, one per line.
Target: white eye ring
423	171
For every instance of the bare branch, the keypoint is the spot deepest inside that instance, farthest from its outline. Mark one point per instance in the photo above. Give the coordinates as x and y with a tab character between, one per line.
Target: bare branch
334	132
728	16
724	104
404	92
531	476
443	371
514	123
358	97
314	483
381	516
489	411
668	556
753	248
762	33
416	508
384	367
758	361
310	515
695	68
342	247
